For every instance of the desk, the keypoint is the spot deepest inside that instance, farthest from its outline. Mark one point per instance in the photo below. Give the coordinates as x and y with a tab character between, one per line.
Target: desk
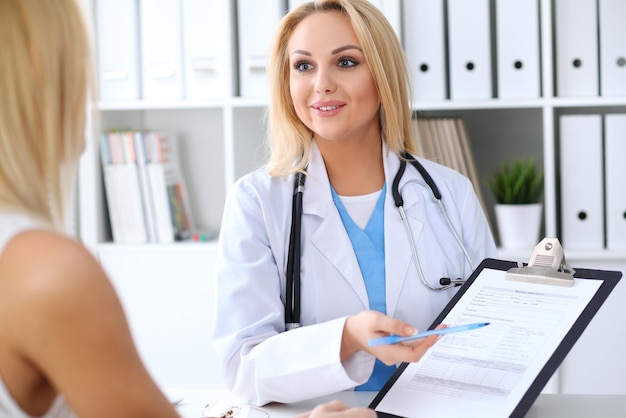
546	406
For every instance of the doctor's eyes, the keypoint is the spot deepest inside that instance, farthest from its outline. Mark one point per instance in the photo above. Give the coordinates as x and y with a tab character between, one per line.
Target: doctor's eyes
347	62
304	66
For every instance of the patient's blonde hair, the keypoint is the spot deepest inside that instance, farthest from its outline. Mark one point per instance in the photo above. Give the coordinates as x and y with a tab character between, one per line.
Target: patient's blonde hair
45	75
289	139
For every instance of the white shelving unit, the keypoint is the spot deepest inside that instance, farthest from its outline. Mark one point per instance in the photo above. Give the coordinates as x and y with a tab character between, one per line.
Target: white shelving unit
222	139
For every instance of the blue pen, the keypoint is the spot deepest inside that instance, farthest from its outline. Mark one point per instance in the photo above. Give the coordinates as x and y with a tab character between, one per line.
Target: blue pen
394	339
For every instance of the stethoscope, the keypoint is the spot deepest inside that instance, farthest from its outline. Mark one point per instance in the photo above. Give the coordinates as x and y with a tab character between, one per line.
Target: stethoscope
292	303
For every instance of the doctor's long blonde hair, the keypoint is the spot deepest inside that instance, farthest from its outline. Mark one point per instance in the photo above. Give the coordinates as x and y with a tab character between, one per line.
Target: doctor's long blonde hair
45	74
289	139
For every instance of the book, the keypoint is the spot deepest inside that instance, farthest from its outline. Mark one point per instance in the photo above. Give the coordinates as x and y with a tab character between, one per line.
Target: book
122	189
145	189
446	141
173	218
141	158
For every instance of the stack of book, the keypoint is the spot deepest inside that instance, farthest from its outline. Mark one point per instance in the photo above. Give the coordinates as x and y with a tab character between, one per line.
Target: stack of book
446	141
145	189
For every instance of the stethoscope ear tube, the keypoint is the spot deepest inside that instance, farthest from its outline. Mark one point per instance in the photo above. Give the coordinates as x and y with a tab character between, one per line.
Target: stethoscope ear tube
395	191
425	175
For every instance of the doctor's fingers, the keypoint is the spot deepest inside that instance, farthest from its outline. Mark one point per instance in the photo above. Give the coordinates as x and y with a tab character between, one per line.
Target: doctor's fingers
360	328
409	352
376	324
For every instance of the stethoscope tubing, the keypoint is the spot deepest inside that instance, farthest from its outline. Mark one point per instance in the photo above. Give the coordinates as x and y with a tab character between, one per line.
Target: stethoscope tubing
293	292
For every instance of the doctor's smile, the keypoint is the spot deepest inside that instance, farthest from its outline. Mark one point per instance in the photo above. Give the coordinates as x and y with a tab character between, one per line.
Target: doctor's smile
328	108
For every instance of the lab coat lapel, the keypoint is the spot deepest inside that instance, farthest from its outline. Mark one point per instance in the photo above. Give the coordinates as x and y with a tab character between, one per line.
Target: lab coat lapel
330	237
398	255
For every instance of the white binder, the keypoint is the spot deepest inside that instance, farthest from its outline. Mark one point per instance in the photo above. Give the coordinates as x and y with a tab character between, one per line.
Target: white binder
582	202
257	21
424	43
469	37
118	49
161	50
576	48
615	173
517	37
206	56
612	47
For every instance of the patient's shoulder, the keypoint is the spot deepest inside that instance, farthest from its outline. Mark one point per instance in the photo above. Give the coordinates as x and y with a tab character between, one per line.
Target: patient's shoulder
41	269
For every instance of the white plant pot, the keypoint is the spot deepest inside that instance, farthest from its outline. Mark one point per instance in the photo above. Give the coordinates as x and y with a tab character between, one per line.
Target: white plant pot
519	225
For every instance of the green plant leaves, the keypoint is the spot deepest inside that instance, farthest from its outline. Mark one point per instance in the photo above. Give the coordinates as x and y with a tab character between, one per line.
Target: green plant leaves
517	182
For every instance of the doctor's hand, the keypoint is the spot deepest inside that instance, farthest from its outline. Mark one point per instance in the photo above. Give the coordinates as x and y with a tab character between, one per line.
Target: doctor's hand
366	325
337	409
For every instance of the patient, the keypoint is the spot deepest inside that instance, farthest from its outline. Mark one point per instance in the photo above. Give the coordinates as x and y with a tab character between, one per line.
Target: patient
65	345
64	342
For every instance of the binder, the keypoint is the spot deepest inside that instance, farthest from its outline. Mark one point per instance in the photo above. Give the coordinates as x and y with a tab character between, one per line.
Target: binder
576	36
582	208
612	47
117	36
425	46
517	39
499	370
256	21
161	50
172	211
207	61
469	37
615	173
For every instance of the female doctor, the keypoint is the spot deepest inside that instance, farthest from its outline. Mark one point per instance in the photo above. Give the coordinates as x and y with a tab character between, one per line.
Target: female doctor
339	112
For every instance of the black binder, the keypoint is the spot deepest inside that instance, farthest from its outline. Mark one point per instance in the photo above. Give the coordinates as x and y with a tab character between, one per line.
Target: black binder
529	392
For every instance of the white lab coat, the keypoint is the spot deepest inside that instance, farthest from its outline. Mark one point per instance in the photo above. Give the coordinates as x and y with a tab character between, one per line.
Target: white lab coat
262	363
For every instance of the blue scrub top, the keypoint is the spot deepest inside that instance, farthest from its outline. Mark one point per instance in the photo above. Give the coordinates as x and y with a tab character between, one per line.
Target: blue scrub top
369	248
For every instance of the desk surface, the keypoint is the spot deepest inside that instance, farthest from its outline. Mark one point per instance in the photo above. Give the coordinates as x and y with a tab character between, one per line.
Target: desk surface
546	406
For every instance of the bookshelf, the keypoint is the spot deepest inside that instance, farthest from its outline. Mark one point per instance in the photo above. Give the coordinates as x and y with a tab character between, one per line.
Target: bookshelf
222	139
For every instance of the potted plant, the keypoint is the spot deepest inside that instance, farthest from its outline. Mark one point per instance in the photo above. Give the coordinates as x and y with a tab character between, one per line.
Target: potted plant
518	187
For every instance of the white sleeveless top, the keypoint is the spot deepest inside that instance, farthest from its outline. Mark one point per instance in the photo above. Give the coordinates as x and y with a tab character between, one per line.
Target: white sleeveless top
10	225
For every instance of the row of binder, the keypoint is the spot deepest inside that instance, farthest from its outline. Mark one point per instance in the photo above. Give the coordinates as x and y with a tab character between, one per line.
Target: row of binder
145	190
179	49
163	49
468	63
592	173
590	47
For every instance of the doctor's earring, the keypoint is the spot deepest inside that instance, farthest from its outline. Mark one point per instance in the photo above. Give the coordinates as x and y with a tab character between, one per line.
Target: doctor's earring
223	409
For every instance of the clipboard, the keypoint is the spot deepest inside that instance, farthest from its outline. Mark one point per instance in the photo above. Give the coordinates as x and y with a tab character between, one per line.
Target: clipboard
536	313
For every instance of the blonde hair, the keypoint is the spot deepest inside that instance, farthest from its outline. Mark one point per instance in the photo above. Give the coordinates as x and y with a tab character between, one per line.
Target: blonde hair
289	139
45	75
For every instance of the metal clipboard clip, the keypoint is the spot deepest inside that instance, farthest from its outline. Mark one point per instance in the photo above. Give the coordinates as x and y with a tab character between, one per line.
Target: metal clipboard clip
546	266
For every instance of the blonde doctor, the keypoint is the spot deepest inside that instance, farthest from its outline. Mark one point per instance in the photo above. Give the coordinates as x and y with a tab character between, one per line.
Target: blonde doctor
339	112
